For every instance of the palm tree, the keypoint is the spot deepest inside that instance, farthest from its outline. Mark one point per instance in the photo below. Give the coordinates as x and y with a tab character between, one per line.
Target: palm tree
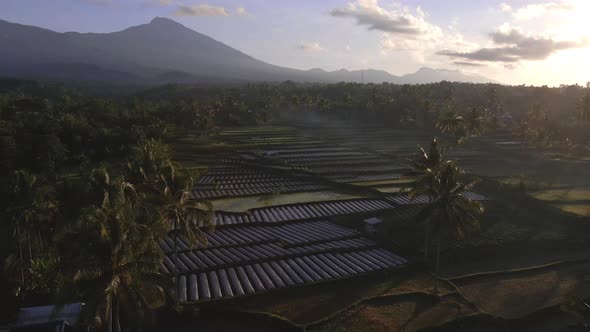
407	120
181	213
450	210
349	103
521	131
493	110
425	163
537	114
583	107
473	122
169	206
451	123
117	259
149	158
264	115
33	212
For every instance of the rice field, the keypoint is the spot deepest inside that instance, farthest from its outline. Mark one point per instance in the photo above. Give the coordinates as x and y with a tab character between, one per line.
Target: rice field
290	199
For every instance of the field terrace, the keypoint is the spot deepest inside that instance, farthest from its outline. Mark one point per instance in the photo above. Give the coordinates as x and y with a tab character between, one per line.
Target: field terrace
309	237
251	259
278	247
478	154
282	246
338	163
235	180
272	247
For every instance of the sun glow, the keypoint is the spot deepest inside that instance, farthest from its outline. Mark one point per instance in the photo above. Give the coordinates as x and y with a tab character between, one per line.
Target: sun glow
572	23
565	21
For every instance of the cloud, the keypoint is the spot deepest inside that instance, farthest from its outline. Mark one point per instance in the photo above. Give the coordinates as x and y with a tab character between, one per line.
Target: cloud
241	11
511	45
311	47
505	7
200	10
535	10
399	20
402	28
468	64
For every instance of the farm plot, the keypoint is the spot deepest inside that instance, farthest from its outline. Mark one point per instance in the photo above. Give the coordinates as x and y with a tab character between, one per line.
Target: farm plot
251	259
252	137
374	137
339	164
301	149
227	180
479	154
307	211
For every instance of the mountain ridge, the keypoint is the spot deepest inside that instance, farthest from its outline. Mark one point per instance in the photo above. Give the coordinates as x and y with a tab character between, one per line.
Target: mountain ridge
182	55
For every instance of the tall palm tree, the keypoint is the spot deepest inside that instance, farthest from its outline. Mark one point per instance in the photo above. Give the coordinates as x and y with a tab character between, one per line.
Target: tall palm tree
181	213
521	131
349	103
450	211
33	210
583	107
473	122
169	206
451	123
493	110
407	120
117	259
537	115
425	163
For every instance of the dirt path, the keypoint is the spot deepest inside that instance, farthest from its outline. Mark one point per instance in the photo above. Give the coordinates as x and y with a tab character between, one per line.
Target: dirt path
518	294
505	300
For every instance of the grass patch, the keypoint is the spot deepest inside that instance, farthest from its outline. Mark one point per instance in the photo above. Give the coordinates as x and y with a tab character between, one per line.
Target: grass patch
315	303
580	210
391	190
384	182
572	200
573	194
242	204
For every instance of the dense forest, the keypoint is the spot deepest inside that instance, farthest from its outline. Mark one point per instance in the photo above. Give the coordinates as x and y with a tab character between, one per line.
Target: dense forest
88	186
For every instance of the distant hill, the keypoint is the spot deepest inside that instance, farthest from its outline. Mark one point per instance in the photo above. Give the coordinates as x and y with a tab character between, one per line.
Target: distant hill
164	51
428	75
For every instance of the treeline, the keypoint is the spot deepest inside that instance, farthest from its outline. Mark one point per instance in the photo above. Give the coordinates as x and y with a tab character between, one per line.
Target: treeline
382	101
87	192
540	116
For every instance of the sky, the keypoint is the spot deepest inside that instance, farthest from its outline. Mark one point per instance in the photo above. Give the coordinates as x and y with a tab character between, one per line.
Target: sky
515	42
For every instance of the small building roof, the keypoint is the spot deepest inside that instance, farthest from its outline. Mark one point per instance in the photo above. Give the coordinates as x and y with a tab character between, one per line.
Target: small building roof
69	313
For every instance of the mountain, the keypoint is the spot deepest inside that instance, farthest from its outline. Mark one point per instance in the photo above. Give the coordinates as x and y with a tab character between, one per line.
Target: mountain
163	51
428	75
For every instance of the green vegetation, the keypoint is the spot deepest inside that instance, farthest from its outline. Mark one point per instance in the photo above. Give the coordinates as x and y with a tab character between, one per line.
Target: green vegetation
573	200
243	204
89	185
449	211
88	193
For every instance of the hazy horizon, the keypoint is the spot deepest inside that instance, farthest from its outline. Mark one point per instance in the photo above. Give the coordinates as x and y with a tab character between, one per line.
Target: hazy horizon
513	42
